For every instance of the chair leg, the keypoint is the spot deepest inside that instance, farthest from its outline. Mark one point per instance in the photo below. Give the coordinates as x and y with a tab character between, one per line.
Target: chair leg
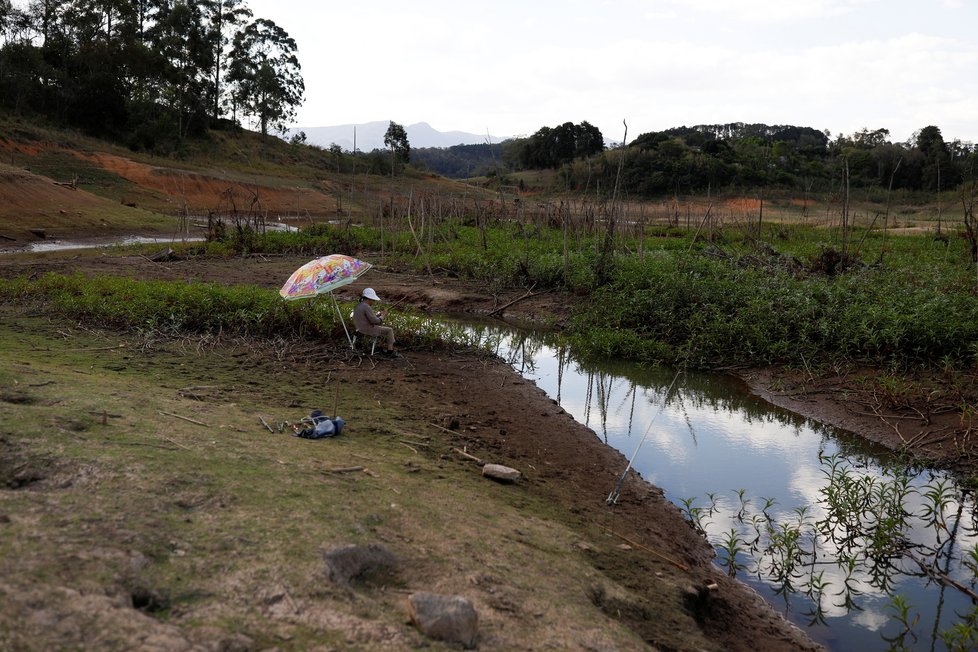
373	342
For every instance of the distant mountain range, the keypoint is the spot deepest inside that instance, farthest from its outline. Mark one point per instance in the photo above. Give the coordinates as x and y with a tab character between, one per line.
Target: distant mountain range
370	136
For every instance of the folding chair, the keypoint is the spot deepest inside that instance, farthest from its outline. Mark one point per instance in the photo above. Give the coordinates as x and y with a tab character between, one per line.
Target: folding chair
373	340
357	334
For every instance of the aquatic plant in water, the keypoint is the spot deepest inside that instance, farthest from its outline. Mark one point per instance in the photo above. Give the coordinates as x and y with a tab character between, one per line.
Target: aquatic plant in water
868	531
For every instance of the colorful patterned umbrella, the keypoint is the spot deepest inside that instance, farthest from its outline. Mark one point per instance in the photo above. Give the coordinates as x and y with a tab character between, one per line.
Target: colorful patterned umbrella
324	275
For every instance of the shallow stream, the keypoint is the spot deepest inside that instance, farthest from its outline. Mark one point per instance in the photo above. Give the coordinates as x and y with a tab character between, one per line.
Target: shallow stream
775	494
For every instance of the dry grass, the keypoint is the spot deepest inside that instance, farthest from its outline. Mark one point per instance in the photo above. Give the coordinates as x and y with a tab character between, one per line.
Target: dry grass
218	530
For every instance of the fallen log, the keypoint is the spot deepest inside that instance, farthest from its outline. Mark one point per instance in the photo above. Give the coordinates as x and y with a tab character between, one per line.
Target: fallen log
529	293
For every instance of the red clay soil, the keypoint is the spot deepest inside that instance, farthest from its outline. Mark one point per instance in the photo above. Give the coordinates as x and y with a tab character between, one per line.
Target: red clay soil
30	200
202	193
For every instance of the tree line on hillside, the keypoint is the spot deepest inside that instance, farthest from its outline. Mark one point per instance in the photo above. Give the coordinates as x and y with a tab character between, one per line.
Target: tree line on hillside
549	147
690	160
705	158
148	72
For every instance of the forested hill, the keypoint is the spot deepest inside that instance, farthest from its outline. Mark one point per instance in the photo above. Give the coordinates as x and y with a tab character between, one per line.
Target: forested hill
461	161
147	74
699	159
753	156
743	157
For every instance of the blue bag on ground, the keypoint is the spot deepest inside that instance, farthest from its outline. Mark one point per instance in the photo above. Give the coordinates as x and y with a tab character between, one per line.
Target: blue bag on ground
322	426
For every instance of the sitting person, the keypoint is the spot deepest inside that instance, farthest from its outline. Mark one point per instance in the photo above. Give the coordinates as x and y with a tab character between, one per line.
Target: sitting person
370	323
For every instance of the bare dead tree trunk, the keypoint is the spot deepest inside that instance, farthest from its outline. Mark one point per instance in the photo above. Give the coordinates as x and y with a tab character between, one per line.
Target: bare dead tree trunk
564	218
607	248
641	233
886	215
845	210
968	196
760	216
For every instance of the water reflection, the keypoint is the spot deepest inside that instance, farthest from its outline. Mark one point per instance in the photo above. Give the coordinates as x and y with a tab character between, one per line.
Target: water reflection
95	243
56	244
858	549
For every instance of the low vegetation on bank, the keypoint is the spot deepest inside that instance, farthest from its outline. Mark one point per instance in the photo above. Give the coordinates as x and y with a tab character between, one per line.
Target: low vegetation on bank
676	297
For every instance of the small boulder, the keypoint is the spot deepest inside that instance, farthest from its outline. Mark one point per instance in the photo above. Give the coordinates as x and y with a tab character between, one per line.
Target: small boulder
346	563
449	618
501	473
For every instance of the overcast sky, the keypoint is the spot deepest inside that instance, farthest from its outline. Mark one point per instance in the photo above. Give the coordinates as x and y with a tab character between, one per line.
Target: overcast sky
508	68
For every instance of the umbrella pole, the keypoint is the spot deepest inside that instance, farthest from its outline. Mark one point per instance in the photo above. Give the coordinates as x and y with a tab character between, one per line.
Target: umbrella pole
342	321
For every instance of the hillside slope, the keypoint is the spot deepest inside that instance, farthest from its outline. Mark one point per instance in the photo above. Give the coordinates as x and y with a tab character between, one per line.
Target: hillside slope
65	185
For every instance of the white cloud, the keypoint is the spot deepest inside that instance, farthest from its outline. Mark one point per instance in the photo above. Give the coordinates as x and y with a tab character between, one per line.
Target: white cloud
513	67
773	11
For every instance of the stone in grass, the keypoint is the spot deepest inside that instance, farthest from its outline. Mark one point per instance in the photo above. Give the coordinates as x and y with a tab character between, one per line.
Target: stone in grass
347	563
501	473
449	618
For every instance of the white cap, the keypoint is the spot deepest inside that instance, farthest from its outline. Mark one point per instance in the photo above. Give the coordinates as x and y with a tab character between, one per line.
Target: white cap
369	293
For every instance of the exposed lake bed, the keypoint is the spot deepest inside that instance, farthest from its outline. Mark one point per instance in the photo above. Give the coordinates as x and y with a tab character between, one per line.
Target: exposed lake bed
498	415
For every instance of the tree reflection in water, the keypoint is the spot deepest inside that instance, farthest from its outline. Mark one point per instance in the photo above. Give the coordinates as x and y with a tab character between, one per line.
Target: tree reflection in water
861	547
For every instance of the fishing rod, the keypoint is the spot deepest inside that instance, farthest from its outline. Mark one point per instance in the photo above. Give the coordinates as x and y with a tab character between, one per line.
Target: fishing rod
616	492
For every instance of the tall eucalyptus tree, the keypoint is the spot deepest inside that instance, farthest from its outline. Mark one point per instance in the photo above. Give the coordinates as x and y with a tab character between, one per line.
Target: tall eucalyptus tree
265	74
224	19
179	37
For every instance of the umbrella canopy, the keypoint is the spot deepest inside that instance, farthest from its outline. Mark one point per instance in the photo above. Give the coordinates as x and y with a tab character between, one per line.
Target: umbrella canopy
323	275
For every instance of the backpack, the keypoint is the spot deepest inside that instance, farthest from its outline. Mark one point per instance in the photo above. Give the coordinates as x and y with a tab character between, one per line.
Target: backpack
321	426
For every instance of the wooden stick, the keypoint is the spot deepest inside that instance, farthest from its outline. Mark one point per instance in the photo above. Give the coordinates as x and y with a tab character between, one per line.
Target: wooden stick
464	454
177	416
451	432
101	348
409	446
346	469
413	443
941	577
262	419
105	414
186	448
675	563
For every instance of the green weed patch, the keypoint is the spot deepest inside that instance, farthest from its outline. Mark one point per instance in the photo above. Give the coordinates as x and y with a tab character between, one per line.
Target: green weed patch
728	300
177	308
